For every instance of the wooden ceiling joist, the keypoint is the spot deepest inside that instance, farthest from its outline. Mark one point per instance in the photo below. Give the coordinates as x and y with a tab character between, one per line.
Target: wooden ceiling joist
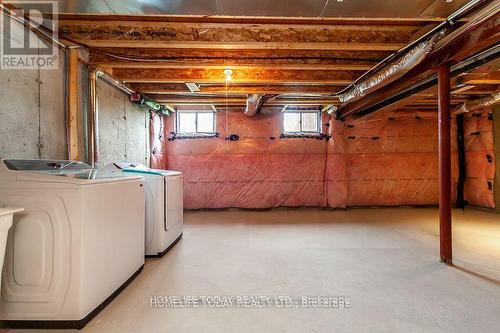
159	34
288	56
153	58
240	101
239	76
280	65
415	21
231	89
200	55
309	46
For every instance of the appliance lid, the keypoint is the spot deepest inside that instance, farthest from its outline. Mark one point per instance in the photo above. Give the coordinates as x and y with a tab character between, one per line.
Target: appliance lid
60	171
83	174
128	167
45	165
138	168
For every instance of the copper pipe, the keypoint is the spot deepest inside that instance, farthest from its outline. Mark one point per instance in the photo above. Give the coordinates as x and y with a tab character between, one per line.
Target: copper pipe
445	240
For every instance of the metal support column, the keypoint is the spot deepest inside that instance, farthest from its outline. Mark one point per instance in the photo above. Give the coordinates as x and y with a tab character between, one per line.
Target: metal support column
445	238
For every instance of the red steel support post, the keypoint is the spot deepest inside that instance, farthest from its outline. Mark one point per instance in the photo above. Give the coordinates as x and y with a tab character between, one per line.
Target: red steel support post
445	238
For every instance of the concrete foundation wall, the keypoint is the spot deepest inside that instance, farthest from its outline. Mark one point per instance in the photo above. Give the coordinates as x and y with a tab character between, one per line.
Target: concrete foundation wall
32	112
123	128
33	117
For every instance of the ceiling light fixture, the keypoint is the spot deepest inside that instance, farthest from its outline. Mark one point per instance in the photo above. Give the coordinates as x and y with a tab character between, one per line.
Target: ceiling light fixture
228	72
448	0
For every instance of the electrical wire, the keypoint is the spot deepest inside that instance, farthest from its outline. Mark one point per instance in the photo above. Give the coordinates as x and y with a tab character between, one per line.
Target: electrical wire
324	7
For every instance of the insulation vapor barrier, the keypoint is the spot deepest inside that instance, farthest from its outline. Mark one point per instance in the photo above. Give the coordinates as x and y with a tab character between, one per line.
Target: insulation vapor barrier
386	159
479	158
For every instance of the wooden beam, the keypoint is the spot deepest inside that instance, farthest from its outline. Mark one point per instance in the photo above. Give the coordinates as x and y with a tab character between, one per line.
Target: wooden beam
241	101
308	65
462	89
415	21
480	78
72	104
243	46
152	58
196	55
475	92
239	76
176	88
159	34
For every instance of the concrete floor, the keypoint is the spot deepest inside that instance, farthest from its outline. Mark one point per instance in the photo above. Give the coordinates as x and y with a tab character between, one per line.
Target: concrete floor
384	260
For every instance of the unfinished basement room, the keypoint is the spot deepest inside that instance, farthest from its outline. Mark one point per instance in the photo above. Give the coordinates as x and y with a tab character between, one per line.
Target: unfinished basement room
171	166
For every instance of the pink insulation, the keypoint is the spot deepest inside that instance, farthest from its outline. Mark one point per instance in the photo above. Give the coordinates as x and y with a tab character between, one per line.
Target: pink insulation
480	159
254	172
388	158
384	159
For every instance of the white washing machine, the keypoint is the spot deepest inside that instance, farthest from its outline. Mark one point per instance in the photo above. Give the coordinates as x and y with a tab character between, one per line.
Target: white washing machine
78	243
164	206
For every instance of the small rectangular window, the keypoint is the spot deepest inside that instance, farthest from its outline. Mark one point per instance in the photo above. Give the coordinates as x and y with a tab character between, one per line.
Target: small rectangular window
195	122
301	121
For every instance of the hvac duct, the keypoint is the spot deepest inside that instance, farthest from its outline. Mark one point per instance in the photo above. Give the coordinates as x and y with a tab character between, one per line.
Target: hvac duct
474	105
392	71
399	63
254	103
461	67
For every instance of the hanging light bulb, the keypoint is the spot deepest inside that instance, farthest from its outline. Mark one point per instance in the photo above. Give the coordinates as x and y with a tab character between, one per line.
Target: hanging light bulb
228	72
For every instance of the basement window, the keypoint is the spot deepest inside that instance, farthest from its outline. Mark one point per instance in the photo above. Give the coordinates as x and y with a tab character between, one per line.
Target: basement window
298	121
195	122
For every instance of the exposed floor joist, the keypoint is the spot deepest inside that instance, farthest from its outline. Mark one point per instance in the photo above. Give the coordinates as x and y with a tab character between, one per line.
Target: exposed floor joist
267	54
277	65
240	76
232	88
158	54
146	44
414	21
239	101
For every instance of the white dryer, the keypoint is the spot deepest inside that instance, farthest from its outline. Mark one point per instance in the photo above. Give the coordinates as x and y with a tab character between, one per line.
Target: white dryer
164	206
77	244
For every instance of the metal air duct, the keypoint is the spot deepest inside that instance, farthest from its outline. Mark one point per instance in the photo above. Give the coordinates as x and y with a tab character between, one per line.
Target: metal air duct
474	105
254	103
